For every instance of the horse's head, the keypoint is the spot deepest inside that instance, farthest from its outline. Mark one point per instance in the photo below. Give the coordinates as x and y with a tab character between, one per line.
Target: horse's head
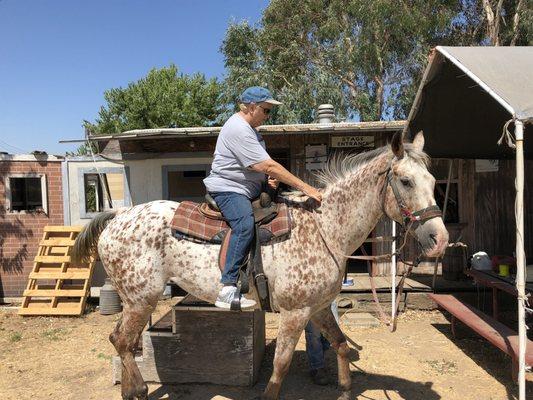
409	195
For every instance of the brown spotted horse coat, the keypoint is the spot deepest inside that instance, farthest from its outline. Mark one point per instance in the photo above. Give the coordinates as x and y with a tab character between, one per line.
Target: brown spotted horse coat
304	272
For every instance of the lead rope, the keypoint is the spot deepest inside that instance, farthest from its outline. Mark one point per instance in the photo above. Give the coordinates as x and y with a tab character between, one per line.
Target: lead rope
390	322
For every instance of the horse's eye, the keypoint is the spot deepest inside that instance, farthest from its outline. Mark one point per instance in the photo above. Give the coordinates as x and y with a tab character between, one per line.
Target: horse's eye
406	182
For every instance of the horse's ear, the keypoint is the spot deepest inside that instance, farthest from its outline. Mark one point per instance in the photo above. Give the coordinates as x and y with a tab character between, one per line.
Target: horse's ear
418	141
397	145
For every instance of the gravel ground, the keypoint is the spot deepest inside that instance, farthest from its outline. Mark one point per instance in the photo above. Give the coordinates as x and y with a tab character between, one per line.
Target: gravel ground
70	358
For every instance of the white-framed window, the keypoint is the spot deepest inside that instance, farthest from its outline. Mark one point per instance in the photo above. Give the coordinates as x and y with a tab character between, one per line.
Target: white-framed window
26	193
101	190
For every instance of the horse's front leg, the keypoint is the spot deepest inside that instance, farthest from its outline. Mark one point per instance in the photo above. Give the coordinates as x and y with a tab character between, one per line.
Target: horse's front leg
329	327
291	325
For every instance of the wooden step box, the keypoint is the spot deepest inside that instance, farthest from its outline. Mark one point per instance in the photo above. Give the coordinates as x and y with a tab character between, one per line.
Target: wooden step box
196	342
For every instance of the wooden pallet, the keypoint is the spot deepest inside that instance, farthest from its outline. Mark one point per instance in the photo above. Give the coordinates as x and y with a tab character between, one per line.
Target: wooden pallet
55	287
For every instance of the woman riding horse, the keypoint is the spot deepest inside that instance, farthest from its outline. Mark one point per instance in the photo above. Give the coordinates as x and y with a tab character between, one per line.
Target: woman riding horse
304	272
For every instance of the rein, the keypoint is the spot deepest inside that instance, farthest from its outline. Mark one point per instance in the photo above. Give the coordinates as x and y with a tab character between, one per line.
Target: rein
410	218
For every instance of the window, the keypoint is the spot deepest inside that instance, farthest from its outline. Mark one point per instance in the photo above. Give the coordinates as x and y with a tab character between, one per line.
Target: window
101	190
184	182
26	193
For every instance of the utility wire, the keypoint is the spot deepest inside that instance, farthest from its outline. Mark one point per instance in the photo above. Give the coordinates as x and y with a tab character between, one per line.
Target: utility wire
6	146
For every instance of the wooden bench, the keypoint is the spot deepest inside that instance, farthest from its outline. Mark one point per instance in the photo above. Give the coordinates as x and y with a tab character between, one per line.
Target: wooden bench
494	331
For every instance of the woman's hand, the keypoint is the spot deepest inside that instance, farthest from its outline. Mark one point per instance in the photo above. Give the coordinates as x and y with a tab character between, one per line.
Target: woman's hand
313	193
273	183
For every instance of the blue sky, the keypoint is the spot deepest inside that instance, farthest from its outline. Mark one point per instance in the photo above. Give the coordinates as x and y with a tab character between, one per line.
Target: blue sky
58	57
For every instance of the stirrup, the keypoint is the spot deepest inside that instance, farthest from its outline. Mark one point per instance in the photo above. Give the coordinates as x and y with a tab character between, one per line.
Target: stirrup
236	302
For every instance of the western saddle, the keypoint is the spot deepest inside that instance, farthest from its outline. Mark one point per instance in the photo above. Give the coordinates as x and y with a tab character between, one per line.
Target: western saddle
204	223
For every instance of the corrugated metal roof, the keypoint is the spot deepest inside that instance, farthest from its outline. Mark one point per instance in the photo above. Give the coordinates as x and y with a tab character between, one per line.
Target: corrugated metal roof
340	127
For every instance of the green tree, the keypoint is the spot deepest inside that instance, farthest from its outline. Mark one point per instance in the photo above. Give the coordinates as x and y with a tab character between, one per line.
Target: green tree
365	57
498	22
164	98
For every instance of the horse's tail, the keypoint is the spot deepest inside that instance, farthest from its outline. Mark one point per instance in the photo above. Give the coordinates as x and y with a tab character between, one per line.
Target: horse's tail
87	239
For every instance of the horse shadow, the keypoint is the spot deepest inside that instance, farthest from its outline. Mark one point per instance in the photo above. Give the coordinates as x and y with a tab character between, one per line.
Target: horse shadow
484	354
297	384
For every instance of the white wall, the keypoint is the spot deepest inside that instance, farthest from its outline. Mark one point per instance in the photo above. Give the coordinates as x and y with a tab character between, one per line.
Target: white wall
145	181
146	176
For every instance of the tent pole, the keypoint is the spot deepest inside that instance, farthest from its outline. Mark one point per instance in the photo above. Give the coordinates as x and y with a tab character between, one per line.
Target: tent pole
520	257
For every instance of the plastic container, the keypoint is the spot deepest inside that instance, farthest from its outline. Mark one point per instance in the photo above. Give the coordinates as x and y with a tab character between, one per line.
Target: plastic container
503	270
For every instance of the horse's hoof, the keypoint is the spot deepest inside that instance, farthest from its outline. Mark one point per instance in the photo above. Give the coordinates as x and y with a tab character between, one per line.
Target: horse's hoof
142	394
345	395
139	393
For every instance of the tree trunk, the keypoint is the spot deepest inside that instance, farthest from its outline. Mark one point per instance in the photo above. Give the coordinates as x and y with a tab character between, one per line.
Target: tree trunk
516	20
380	93
378	78
493	21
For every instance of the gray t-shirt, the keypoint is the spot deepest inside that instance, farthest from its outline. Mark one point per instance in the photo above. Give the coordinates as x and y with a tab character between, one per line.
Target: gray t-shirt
238	147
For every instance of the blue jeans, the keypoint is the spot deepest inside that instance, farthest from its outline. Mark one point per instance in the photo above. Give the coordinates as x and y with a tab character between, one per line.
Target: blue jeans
315	343
237	210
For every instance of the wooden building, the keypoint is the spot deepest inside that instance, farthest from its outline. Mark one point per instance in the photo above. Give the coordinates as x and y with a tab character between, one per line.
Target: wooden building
171	163
153	164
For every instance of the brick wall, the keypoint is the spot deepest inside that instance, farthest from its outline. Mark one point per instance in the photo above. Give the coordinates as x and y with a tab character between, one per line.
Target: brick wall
20	233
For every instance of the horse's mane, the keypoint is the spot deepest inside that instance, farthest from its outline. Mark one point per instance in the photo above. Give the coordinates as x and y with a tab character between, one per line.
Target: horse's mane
340	166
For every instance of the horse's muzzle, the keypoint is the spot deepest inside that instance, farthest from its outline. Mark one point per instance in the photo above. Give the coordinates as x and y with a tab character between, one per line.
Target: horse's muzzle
433	237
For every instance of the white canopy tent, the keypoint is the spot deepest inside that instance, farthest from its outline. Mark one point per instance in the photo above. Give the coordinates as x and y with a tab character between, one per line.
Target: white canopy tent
467	100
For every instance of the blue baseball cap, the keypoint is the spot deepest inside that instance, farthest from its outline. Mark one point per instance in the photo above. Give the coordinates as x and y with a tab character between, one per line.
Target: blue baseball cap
257	94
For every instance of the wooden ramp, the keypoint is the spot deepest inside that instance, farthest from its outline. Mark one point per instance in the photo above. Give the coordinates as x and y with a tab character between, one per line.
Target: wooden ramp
55	287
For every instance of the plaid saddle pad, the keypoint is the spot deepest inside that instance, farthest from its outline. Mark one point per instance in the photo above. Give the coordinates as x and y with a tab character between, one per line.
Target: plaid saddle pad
191	222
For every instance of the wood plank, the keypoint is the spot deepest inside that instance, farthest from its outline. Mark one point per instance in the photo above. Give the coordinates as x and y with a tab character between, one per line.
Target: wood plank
52	259
57	242
60	275
75	310
55	293
58	228
492	279
494	331
414	284
204	359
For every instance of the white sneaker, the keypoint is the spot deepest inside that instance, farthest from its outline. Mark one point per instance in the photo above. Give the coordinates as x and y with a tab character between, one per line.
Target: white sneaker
226	296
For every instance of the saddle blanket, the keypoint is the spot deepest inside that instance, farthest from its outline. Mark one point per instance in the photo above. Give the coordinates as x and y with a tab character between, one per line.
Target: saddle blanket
188	220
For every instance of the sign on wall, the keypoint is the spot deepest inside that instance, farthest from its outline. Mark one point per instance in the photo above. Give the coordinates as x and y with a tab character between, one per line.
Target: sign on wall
365	141
487	165
315	156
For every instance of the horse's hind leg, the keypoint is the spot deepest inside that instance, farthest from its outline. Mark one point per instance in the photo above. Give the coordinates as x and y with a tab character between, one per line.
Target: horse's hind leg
329	327
291	325
125	338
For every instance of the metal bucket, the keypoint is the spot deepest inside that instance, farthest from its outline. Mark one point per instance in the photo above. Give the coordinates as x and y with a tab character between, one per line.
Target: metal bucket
109	299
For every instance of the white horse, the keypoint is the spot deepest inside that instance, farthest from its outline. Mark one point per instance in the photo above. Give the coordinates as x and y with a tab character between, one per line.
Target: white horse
304	272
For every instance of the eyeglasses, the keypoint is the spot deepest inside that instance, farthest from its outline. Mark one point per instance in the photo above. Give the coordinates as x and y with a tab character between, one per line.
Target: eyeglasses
266	111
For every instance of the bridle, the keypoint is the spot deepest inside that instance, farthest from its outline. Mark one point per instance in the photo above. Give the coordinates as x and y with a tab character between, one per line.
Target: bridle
410	221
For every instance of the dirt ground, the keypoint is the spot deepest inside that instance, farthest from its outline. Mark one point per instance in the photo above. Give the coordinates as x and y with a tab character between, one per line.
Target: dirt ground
70	358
